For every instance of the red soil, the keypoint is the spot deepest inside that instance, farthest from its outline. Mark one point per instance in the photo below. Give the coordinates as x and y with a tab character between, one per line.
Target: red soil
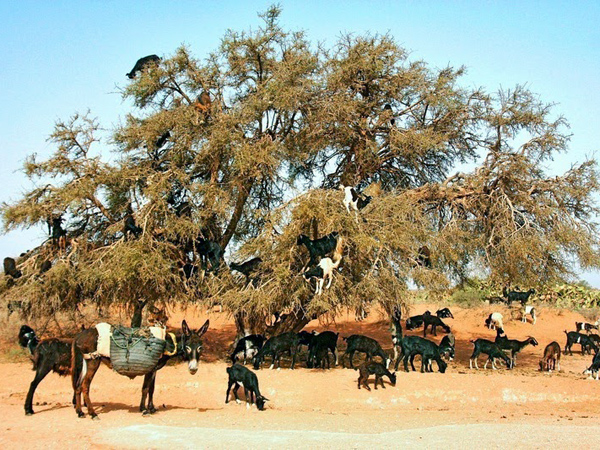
460	409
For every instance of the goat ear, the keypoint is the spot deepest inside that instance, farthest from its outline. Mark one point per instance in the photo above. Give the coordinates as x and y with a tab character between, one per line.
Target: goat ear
204	327
185	328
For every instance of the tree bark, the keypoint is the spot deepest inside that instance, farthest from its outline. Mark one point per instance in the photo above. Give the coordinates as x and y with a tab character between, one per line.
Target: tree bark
242	197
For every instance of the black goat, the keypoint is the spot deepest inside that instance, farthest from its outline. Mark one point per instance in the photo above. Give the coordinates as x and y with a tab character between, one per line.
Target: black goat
10	268
318	248
415	345
320	345
240	375
305	338
516	296
551	357
434	322
513	345
141	64
210	252
47	355
162	139
595	367
248	346
444	313
377	369
587	327
275	346
447	346
189	270
416	321
57	233
364	344
130	228
247	268
587	345
490	349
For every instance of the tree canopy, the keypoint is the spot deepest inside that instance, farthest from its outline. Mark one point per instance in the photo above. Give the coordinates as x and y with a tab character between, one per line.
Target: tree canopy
247	148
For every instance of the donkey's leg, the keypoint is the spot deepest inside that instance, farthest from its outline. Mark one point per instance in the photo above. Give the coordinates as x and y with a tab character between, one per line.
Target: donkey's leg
92	367
151	408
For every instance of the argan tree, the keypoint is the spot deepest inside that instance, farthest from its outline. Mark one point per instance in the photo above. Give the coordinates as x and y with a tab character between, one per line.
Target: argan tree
247	148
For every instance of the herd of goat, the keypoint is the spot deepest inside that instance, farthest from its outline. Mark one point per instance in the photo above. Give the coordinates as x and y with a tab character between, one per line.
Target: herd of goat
59	355
68	356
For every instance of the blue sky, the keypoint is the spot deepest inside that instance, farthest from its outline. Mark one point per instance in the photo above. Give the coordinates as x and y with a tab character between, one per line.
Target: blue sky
60	57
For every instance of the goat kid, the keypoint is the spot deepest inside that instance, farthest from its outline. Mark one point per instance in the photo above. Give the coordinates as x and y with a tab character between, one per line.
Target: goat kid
353	200
551	358
490	349
320	345
377	369
241	376
494	321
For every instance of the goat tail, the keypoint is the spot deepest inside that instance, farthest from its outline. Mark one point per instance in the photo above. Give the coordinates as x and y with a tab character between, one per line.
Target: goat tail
337	254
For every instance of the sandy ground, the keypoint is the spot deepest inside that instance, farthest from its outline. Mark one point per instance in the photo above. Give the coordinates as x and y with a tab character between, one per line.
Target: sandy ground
460	409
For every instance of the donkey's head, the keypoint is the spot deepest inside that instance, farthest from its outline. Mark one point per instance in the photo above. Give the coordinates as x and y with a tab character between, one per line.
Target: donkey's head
191	345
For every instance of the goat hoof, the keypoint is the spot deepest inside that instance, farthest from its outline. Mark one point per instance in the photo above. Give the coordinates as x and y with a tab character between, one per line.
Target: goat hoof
95	417
29	413
81	414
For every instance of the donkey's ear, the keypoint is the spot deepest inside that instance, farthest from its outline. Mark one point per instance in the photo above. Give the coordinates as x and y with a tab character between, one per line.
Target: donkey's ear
185	328
204	327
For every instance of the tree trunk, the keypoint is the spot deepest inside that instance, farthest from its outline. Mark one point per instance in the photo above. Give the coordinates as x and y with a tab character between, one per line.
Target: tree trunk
243	194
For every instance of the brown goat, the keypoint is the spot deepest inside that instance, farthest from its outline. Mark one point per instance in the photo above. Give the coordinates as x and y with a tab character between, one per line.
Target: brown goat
551	358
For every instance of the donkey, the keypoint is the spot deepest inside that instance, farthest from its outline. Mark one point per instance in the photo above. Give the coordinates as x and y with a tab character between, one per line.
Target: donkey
188	345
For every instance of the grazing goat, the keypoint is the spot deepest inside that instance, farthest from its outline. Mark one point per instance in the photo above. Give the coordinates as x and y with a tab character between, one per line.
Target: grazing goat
587	344
415	345
595	367
490	349
354	200
141	63
494	321
248	346
434	322
516	296
377	369
322	342
320	357
551	358
513	345
587	327
275	346
47	355
10	268
364	344
447	346
416	321
318	248
528	310
241	376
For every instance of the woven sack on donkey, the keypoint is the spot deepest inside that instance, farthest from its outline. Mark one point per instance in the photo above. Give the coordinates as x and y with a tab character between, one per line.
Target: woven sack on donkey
134	352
